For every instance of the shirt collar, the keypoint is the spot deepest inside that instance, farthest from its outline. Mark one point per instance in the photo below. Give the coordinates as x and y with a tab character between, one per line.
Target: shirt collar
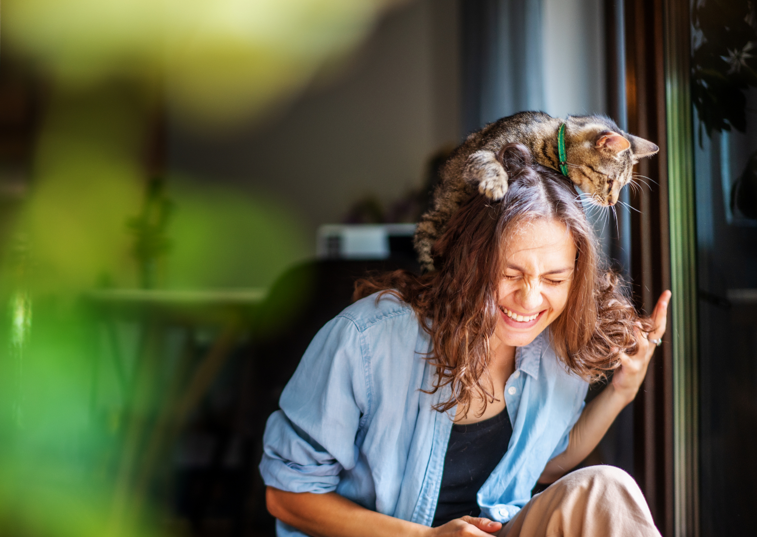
528	358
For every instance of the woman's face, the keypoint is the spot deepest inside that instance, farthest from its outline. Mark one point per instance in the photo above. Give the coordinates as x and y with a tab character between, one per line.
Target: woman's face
538	269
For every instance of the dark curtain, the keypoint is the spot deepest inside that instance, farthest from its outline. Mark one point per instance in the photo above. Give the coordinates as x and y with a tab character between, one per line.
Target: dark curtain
502	64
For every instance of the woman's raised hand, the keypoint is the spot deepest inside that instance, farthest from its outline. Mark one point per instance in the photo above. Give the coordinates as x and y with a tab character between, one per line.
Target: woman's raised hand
468	526
628	378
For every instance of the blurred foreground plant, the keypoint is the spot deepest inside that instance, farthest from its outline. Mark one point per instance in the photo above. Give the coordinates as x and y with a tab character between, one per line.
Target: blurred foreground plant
109	68
222	59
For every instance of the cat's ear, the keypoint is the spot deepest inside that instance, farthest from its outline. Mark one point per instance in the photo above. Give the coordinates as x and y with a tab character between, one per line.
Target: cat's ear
642	148
612	141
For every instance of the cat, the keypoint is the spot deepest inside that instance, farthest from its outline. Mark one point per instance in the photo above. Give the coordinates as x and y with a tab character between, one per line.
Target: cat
599	159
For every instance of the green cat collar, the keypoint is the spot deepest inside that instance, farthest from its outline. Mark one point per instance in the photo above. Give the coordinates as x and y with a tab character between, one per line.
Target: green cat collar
561	149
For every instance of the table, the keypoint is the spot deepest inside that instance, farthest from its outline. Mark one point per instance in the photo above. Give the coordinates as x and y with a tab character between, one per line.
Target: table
228	311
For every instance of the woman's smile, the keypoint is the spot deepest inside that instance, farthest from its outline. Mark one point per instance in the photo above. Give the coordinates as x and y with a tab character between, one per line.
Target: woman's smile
518	320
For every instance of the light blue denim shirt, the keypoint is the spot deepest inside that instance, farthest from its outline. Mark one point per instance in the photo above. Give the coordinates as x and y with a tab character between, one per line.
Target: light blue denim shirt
354	418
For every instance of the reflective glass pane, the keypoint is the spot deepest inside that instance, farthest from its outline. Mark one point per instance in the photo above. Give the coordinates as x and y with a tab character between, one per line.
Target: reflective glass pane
724	95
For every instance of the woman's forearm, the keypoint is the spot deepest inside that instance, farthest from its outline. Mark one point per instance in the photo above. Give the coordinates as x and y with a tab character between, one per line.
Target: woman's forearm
594	422
332	515
602	411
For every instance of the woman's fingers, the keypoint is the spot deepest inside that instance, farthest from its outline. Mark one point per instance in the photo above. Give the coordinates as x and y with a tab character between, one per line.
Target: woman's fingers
645	346
636	361
660	316
633	368
468	526
484	524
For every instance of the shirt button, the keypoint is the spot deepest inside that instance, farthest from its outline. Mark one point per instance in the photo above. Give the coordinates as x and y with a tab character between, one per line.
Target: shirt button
511	390
516	374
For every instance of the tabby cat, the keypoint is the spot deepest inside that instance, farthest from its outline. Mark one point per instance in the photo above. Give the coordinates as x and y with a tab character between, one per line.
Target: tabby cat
599	158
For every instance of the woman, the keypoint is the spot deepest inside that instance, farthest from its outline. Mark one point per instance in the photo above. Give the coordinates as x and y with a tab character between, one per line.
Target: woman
450	394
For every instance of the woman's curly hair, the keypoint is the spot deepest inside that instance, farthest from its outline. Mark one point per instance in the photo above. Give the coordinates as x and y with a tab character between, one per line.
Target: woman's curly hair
460	298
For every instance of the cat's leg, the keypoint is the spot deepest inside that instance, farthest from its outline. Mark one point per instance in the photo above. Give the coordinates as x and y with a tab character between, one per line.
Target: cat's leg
483	170
431	227
434	222
425	236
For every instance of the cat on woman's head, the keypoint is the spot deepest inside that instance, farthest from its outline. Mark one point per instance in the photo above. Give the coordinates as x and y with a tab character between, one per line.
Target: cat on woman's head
598	157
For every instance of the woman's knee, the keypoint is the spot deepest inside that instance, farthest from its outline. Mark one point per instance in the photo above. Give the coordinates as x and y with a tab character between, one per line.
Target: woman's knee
606	477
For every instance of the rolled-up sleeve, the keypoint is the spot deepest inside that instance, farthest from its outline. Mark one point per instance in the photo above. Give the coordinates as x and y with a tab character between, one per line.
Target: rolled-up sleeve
312	438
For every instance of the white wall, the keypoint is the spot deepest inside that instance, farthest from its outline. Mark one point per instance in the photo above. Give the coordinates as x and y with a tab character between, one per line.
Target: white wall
574	57
368	133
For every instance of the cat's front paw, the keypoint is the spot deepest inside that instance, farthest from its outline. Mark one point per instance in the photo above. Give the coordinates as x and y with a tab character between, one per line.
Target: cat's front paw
494	188
485	170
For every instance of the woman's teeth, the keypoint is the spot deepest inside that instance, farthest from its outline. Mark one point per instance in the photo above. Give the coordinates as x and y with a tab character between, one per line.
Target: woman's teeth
516	317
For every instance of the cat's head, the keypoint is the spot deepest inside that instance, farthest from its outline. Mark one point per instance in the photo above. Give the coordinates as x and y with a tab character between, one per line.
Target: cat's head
601	157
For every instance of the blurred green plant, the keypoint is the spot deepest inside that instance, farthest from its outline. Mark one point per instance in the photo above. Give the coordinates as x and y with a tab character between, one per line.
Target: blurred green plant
92	215
150	229
221	239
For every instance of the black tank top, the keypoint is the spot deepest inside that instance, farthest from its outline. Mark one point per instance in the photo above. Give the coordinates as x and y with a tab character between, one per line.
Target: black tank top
474	450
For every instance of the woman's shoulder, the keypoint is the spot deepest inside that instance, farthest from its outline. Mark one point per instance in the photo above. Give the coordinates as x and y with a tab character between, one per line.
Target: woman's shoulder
376	310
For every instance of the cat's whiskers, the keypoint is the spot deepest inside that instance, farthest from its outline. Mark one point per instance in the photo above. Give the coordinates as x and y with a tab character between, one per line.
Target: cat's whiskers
589	201
595	209
629	206
606	218
635	187
640	176
640	183
598	214
615	217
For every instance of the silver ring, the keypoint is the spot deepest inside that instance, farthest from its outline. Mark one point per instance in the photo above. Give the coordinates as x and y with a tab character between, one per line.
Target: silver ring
657	342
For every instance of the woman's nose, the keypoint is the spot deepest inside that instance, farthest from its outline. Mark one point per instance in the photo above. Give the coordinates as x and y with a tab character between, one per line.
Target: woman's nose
530	297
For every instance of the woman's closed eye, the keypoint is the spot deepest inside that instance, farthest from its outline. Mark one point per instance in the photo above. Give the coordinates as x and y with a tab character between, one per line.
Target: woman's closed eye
549	281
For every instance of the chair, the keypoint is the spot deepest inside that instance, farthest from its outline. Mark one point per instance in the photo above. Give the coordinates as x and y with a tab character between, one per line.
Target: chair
299	303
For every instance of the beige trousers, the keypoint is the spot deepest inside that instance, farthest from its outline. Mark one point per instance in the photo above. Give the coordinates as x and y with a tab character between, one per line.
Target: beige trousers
598	501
